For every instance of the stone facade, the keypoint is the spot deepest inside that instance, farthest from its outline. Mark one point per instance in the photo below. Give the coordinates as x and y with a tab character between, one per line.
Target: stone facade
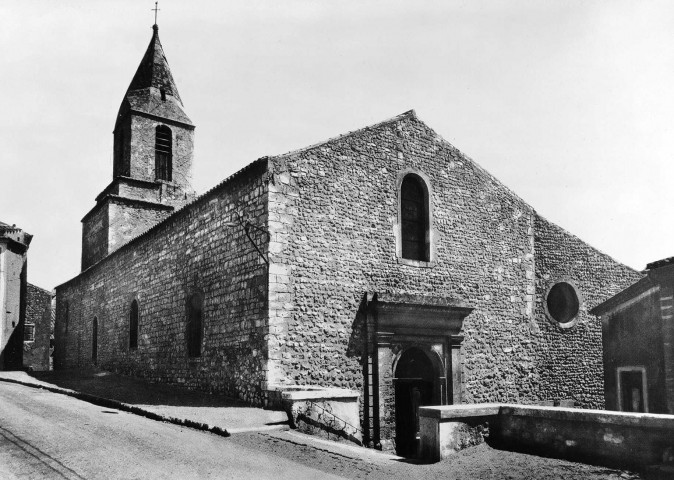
37	329
334	208
302	261
143	191
203	248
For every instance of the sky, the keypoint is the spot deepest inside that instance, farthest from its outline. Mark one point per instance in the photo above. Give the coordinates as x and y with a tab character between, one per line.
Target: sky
568	103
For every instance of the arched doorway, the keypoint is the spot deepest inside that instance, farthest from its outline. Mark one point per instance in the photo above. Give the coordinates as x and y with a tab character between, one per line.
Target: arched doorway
415	386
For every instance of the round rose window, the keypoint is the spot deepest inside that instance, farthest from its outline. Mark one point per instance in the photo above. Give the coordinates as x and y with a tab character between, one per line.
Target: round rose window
562	303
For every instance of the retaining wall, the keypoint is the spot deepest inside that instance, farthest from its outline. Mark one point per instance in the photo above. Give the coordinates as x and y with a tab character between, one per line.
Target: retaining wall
614	439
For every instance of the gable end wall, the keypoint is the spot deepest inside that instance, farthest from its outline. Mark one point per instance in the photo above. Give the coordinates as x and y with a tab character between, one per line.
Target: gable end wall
333	216
570	360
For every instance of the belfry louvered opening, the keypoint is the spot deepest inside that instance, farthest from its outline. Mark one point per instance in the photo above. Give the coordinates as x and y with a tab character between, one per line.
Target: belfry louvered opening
163	153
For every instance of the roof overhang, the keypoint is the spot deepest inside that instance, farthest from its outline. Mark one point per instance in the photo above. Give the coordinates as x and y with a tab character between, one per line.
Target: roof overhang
634	292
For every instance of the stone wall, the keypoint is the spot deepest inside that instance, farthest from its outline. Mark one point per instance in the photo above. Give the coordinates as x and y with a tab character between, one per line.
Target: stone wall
598	437
334	217
38	313
341	244
142	151
569	360
202	248
94	236
128	219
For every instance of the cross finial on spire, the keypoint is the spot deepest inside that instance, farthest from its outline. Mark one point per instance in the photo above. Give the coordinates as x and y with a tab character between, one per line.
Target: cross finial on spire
155	12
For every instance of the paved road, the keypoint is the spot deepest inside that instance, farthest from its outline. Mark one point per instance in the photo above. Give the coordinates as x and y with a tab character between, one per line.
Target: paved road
47	435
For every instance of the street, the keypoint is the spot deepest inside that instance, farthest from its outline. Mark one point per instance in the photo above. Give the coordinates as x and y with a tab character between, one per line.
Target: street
47	435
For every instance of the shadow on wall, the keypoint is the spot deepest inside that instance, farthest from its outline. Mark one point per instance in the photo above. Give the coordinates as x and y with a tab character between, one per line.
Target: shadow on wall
357	337
133	391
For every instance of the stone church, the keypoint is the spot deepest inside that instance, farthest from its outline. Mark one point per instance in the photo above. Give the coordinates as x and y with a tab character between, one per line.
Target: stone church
383	261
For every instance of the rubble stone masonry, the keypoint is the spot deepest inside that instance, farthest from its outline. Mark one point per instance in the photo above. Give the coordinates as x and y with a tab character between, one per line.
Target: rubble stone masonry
202	248
333	214
38	314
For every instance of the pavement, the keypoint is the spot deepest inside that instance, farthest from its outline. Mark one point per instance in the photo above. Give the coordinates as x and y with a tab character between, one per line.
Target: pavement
267	433
174	404
215	413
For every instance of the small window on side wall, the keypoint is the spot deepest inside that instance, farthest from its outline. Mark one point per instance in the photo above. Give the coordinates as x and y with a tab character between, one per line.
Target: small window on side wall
133	326
414	219
29	332
194	324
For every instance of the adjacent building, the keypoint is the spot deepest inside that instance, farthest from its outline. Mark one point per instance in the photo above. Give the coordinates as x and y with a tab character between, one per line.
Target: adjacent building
38	329
14	244
638	335
25	310
383	261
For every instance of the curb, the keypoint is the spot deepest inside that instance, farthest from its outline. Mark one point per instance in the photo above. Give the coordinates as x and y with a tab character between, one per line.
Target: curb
108	403
345	450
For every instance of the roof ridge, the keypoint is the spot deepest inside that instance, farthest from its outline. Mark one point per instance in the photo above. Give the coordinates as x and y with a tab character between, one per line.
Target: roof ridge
409	113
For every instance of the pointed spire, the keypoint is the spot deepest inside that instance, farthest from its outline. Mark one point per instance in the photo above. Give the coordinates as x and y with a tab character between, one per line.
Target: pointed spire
152	89
154	70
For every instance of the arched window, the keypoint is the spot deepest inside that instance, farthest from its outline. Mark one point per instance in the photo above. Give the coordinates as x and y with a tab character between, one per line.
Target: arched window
414	219
163	153
133	326
195	326
94	341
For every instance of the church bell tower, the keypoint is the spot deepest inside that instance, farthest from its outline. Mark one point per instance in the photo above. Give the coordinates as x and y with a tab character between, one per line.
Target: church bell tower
152	160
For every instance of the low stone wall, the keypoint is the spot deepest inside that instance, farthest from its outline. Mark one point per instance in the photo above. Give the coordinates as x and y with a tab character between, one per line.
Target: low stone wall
445	430
614	439
330	411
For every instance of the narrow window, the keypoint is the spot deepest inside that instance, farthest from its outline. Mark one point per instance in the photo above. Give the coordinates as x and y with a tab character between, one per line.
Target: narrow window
163	153
194	325
414	219
66	315
120	166
94	341
133	326
29	332
162	91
